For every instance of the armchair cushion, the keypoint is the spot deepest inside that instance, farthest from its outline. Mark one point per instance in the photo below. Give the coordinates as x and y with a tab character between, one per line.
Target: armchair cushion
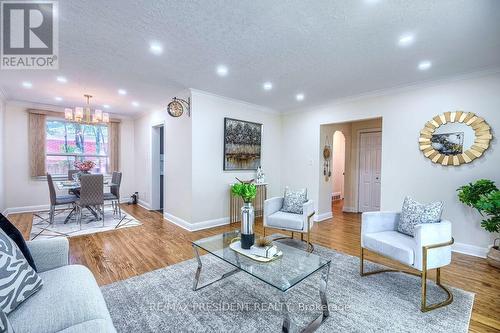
392	244
294	200
414	213
284	220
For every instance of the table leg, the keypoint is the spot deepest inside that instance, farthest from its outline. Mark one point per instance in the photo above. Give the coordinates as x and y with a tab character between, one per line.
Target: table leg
198	272
285	327
69	215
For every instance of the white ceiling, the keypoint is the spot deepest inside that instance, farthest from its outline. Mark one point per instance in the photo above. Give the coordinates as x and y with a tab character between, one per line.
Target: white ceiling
325	49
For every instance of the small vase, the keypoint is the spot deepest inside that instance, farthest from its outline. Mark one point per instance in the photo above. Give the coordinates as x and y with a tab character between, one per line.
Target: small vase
247	224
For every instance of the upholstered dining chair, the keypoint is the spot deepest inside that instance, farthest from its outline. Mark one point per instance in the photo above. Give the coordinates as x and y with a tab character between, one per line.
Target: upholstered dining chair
91	195
57	200
430	248
277	219
114	193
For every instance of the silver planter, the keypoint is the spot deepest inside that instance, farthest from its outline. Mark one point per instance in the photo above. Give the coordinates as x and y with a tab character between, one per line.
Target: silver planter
247	225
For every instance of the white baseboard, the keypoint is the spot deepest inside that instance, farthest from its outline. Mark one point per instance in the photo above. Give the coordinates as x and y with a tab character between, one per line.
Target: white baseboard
349	209
25	209
471	250
323	216
144	204
195	226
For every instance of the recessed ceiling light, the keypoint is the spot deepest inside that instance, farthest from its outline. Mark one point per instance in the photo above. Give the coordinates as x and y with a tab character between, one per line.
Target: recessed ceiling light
406	40
27	84
135	103
267	86
222	70
424	65
122	92
300	97
156	48
106	106
61	79
58	98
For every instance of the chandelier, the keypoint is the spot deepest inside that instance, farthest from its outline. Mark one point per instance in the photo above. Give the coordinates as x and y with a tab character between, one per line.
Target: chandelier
85	115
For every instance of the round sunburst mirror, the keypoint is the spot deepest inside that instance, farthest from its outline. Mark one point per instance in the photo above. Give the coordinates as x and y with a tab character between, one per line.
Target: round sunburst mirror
455	138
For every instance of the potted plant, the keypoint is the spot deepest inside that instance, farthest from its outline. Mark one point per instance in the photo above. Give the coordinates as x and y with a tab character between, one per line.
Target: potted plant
484	196
247	191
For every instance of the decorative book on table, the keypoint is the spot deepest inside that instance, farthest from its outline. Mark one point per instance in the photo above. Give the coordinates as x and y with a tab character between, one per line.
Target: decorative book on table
265	251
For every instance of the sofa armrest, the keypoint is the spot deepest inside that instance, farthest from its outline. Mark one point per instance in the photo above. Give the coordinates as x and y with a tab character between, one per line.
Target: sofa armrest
428	234
379	221
271	206
49	253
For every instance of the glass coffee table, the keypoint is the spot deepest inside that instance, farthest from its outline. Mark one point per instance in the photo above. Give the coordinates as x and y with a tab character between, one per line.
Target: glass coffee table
284	273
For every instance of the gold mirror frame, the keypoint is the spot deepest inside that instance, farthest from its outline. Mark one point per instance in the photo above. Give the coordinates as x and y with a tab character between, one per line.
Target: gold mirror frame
482	132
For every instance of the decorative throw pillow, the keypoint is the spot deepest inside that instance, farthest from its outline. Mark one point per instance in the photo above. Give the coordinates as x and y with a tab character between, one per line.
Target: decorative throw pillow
18	238
294	200
414	213
5	326
18	280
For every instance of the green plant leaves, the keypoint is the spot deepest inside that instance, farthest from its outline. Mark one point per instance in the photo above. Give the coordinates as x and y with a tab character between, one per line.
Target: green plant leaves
484	196
246	191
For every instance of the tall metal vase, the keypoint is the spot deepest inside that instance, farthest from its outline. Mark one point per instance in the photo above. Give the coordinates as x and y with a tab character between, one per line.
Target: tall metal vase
247	224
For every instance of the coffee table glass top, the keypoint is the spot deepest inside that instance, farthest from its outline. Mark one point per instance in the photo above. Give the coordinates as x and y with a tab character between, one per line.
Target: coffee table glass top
282	273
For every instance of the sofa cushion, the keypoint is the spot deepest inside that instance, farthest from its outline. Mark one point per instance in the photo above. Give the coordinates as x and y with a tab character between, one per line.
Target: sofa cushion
5	326
391	244
93	326
18	238
69	297
18	280
284	220
414	213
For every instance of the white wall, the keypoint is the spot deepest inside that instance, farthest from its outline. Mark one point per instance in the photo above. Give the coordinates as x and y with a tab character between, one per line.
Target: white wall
2	158
24	193
177	172
210	182
405	171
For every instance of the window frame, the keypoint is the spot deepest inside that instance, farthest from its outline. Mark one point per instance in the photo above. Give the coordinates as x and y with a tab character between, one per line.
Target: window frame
74	155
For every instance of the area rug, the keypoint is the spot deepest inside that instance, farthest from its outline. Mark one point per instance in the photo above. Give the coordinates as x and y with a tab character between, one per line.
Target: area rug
42	230
163	301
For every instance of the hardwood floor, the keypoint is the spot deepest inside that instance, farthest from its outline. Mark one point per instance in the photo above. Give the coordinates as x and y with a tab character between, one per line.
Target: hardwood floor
119	254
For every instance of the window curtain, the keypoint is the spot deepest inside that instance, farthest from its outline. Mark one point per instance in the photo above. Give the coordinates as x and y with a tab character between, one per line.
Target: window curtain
114	146
37	144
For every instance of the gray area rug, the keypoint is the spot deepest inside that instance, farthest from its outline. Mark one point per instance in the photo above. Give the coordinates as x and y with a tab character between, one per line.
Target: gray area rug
162	301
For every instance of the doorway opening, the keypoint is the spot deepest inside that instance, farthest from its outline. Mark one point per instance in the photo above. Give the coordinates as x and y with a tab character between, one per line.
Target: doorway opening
157	167
350	179
338	170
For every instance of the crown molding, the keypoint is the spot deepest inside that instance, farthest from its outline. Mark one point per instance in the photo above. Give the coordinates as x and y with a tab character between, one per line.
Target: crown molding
396	90
234	100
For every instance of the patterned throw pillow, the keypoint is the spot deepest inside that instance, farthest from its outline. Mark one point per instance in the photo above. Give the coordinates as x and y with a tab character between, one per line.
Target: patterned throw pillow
414	213
18	280
294	200
5	326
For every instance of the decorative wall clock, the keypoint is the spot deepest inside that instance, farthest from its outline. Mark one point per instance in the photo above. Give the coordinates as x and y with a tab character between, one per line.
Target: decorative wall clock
455	138
176	107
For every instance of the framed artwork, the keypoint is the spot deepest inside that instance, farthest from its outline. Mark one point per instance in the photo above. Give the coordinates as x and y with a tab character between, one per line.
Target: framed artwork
242	145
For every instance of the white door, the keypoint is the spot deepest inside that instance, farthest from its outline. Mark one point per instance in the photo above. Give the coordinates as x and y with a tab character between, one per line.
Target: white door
370	161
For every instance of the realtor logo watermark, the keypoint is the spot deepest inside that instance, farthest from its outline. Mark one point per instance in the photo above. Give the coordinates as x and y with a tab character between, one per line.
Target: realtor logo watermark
29	36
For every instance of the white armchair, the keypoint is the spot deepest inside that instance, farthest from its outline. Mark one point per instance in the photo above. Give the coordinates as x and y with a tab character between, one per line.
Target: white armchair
429	249
301	223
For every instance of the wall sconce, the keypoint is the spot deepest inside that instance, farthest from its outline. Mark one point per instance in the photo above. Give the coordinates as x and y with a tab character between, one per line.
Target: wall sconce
176	107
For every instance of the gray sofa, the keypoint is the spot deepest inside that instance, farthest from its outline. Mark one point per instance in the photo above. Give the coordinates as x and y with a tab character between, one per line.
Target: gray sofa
70	300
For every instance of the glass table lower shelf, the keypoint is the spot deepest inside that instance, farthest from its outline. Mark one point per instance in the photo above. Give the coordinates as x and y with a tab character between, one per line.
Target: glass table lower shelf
290	269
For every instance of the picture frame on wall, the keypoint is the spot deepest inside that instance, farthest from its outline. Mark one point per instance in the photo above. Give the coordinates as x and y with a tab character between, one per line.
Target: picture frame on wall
242	145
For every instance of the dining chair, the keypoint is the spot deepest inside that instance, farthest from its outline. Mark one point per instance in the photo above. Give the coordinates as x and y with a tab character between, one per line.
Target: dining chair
57	200
91	195
114	193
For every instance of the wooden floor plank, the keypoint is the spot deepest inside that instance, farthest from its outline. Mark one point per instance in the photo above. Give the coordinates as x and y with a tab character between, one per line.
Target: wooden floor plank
120	254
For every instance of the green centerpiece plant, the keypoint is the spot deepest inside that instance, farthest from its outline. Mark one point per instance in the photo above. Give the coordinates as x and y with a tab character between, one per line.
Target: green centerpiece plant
247	191
484	196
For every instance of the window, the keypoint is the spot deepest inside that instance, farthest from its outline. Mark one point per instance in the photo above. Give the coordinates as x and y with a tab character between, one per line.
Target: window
67	142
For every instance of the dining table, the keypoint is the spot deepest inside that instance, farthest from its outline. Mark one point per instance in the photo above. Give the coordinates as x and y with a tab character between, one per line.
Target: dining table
74	186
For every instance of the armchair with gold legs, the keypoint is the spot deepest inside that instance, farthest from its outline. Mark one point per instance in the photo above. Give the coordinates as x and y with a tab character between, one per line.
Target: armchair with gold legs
300	223
430	248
